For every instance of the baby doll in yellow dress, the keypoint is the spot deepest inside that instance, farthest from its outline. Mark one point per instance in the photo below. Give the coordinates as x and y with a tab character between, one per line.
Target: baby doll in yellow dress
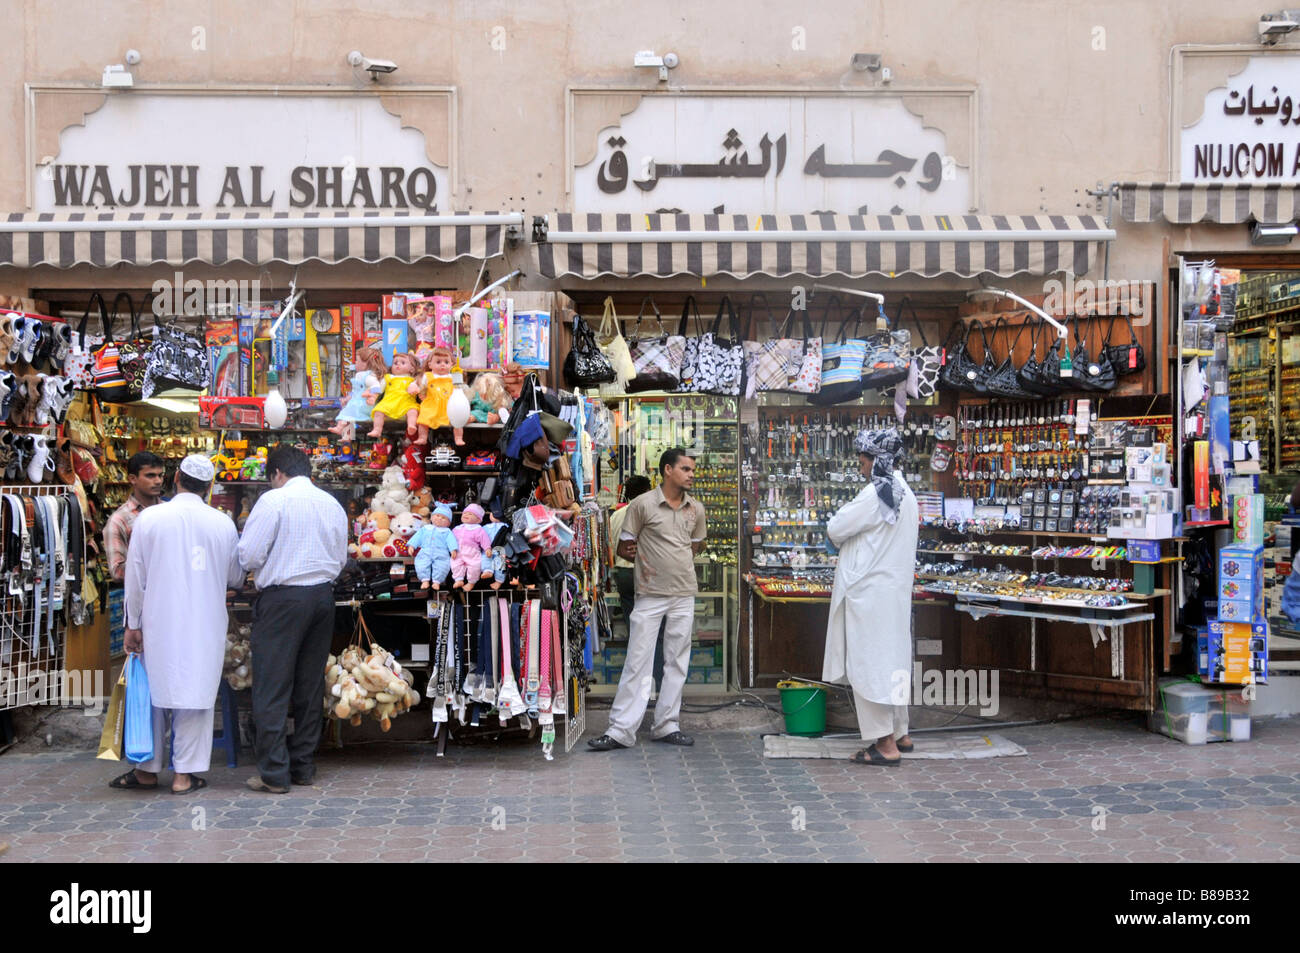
397	400
434	389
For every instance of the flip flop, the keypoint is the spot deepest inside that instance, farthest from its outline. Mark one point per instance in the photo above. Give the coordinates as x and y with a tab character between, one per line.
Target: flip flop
196	784
872	756
129	782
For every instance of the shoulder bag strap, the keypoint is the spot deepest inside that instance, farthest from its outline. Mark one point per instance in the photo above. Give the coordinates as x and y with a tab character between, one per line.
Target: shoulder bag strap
777	329
725	306
689	305
95	297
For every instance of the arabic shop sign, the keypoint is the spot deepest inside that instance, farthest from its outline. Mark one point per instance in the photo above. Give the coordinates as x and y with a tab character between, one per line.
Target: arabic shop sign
784	154
165	152
1250	130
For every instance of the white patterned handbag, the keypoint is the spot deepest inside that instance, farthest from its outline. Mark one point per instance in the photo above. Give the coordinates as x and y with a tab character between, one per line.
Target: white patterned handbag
658	360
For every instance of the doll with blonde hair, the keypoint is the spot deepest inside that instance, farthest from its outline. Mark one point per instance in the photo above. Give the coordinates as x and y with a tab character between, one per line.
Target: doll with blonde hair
490	403
397	400
369	370
433	389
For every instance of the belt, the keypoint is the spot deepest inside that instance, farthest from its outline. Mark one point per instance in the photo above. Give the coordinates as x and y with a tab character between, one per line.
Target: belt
509	703
313	585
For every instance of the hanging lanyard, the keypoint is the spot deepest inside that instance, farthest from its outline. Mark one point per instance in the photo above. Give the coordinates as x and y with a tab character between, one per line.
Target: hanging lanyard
559	705
532	627
508	701
544	691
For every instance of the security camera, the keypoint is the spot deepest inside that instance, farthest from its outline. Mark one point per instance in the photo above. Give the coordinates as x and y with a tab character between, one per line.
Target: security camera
1274	26
373	66
866	61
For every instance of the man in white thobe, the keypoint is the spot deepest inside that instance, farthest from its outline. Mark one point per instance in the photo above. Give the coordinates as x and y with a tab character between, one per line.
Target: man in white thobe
181	560
869	633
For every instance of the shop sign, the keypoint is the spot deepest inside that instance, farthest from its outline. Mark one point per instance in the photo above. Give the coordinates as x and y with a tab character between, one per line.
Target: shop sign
1250	129
160	152
779	154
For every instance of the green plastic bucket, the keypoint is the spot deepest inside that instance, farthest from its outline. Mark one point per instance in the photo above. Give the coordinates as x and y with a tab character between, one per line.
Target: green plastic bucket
804	707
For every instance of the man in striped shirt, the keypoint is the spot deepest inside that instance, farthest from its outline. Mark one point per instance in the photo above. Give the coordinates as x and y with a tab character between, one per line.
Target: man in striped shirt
295	543
144	471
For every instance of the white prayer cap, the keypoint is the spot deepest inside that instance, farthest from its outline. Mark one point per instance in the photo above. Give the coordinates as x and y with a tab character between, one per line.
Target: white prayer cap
199	467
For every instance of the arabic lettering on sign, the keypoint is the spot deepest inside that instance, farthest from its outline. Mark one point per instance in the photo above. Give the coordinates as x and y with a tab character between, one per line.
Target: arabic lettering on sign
631	170
1287	110
1249	130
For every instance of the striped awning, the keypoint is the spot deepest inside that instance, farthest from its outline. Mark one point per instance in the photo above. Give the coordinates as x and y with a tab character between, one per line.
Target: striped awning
221	238
851	245
1192	202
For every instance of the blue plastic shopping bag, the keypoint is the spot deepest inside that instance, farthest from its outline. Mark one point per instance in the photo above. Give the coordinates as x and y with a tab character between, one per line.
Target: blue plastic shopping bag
137	741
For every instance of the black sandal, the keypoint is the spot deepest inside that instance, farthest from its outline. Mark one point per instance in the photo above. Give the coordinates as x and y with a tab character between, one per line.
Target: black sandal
129	782
906	748
872	756
196	784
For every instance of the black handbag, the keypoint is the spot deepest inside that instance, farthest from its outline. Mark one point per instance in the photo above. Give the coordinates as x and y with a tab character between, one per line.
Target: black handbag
1125	358
1004	381
133	352
1093	374
586	366
1032	374
960	372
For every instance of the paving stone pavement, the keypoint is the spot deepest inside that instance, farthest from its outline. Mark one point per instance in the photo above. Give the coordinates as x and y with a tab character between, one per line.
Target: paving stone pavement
1099	789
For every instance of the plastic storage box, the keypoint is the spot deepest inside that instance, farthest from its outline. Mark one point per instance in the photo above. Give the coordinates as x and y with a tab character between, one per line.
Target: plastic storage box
1196	715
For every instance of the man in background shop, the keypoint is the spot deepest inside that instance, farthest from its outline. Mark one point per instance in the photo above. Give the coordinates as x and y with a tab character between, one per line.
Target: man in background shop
661	535
295	543
624	572
181	559
144	472
1291	593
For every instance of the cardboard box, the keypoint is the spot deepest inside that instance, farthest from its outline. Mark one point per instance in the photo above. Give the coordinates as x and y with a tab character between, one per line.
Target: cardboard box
223	357
1241	572
1231	646
1246	514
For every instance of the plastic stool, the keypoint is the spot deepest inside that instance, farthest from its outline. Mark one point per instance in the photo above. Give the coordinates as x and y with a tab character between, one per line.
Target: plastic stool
228	735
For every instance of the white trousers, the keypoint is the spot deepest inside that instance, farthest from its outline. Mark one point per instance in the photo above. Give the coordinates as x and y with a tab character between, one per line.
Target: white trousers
878	721
637	682
191	743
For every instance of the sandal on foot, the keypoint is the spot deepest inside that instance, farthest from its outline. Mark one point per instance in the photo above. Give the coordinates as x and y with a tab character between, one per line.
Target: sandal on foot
906	748
196	784
872	756
129	782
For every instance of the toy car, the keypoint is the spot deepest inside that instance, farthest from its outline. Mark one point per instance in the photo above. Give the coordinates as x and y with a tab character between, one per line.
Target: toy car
442	456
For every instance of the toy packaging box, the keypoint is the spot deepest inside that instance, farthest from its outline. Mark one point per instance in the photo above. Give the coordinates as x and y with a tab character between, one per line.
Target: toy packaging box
530	333
1241	584
1234	653
223	357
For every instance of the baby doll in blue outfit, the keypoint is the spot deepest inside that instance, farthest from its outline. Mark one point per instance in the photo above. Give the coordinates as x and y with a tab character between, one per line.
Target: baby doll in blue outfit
496	558
434	546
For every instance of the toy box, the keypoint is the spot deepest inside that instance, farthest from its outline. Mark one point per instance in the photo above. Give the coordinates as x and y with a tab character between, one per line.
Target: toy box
223	357
1241	572
530	333
1247	516
1236	653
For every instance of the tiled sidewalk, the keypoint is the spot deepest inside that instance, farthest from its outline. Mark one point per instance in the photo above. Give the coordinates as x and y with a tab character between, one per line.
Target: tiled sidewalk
1162	801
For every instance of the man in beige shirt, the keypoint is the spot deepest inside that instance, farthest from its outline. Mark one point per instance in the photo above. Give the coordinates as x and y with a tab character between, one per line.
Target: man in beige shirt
662	532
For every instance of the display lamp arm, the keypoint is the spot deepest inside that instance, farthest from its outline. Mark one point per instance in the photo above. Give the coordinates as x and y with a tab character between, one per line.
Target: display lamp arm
486	291
999	293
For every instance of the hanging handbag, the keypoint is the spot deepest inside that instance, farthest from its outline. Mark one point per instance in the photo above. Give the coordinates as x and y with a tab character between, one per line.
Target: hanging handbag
771	363
957	362
1004	382
111	384
1125	358
614	346
1053	374
927	361
690	345
586	366
177	360
1030	374
961	373
1092	374
80	364
888	355
841	363
720	362
658	360
133	352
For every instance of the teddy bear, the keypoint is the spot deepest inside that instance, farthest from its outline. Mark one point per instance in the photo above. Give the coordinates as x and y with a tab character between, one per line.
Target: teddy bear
422	505
392	497
376	534
403	526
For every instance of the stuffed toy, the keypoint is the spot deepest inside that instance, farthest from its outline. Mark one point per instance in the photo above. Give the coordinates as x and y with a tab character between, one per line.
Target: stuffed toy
472	542
491	404
373	684
369	371
375	535
413	467
392	497
496	563
403	527
422	505
433	389
397	401
435	547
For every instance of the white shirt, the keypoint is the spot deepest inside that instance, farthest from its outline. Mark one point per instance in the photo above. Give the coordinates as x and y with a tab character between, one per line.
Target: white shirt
295	536
180	562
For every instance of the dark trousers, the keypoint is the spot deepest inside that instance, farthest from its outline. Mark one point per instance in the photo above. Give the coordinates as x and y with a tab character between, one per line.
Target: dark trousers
625	583
292	630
